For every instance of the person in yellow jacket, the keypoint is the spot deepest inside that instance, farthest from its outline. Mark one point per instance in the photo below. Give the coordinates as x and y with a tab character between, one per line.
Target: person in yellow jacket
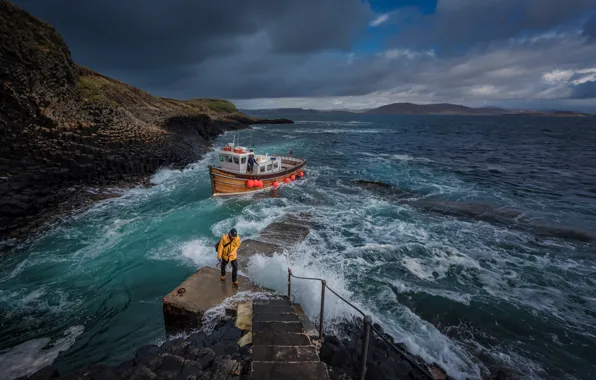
227	249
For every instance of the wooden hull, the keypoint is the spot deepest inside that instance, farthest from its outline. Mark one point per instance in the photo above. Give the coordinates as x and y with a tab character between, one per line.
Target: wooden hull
226	183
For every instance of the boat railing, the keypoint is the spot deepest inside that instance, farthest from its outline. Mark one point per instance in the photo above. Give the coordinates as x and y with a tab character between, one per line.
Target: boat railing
366	328
288	158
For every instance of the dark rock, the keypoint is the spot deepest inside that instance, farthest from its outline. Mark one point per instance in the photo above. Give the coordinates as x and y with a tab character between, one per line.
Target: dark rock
171	362
180	349
170	344
146	354
167	375
142	373
125	369
192	368
224	368
206	358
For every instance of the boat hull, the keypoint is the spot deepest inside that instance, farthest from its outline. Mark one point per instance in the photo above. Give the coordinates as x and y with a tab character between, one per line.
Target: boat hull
224	183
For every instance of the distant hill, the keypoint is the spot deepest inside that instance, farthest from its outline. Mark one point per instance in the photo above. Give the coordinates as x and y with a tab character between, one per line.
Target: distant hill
420	109
432	109
295	111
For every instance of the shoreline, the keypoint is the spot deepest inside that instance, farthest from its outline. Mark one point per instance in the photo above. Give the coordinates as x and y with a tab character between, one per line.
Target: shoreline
82	195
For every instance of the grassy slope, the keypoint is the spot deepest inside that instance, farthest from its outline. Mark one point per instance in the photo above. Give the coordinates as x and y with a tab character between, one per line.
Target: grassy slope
99	89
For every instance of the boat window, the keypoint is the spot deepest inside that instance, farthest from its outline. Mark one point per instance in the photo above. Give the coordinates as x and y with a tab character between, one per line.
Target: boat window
236	161
221	157
275	165
228	159
269	167
262	169
243	160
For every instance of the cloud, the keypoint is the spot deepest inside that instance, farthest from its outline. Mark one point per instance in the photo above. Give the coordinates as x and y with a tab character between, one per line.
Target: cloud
272	51
461	23
124	34
581	84
379	20
589	29
586	90
405	53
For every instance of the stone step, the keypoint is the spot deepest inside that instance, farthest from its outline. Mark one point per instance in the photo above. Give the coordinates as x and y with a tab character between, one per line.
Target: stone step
279	339
257	309
282	302
289	371
275	317
277	327
309	328
284	354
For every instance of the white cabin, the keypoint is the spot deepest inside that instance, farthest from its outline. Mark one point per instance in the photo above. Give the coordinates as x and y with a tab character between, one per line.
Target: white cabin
234	159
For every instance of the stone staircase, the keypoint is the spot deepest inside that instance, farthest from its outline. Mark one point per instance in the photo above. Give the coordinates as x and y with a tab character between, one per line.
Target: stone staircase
282	348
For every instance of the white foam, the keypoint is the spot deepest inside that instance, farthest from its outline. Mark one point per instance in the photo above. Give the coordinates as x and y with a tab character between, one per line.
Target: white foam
200	251
212	316
162	175
32	355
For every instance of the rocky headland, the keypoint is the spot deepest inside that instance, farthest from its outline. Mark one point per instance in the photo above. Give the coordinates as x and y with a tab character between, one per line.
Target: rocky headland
68	133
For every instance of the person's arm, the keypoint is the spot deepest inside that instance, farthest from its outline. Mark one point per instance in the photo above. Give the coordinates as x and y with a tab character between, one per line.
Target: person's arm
220	249
235	244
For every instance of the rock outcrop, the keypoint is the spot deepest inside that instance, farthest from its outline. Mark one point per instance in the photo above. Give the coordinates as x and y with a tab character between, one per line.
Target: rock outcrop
214	356
63	126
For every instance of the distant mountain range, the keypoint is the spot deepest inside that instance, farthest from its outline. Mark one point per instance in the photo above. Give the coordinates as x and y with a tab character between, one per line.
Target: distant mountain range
422	109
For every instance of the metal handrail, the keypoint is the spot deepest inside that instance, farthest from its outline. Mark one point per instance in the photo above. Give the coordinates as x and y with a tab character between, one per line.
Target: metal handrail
367	326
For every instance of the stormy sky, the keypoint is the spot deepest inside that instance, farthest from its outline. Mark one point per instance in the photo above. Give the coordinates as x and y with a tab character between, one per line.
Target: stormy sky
339	53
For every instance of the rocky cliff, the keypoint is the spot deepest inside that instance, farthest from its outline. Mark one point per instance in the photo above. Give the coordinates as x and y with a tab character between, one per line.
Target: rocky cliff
63	126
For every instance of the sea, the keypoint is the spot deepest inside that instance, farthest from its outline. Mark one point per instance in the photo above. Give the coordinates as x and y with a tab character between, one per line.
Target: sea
474	293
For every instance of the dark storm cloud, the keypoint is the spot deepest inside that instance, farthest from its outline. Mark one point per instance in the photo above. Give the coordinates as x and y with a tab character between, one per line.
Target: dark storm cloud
590	28
458	24
468	50
122	34
584	91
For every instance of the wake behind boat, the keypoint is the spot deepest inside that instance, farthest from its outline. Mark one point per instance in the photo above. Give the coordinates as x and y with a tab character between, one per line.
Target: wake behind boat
233	175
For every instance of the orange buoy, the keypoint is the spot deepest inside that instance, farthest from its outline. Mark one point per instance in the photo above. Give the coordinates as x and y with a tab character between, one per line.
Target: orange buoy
287	180
293	177
275	184
259	183
301	174
250	183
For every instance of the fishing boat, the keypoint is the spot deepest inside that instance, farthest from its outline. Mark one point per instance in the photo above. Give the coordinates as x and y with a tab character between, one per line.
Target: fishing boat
233	176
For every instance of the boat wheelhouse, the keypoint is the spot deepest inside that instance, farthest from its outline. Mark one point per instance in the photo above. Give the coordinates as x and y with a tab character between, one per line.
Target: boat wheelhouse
233	175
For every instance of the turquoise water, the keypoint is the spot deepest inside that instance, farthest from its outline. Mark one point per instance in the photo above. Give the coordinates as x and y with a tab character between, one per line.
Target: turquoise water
469	294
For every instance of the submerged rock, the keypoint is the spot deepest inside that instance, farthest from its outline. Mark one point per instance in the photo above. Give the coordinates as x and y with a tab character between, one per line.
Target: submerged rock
474	211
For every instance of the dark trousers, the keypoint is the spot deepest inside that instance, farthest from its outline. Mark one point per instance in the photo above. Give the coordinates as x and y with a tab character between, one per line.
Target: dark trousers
234	269
250	166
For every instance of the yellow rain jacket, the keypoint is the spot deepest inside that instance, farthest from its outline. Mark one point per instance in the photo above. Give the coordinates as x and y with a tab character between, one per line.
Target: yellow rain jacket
228	251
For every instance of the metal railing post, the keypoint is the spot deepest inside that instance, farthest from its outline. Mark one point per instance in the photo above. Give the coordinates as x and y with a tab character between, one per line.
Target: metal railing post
290	284
367	327
323	285
365	338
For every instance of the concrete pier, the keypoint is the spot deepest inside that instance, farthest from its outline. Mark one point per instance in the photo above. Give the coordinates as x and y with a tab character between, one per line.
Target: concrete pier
183	307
